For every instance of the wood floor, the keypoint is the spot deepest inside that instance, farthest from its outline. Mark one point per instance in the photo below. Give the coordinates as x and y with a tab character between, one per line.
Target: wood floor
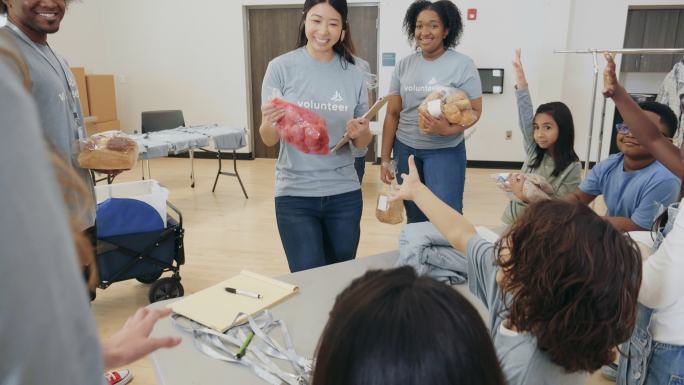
226	233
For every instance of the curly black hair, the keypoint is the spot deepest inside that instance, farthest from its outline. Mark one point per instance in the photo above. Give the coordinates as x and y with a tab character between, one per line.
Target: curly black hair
667	116
449	14
571	280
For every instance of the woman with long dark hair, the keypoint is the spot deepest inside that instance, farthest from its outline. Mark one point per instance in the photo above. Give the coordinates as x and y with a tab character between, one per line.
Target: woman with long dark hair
394	327
438	147
318	197
549	136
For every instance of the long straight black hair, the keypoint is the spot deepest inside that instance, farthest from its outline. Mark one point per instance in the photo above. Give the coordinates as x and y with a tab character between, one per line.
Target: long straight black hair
564	149
344	47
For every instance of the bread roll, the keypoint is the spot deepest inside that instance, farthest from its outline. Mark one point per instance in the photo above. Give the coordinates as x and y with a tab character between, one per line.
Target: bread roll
108	151
452	113
468	117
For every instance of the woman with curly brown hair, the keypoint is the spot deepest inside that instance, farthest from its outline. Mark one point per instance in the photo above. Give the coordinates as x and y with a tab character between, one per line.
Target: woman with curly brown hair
561	285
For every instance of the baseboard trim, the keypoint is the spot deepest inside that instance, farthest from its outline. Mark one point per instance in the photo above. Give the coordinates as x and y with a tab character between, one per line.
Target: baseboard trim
213	154
495	164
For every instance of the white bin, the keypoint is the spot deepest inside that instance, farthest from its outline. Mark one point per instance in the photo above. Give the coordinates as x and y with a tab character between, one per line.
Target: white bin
148	191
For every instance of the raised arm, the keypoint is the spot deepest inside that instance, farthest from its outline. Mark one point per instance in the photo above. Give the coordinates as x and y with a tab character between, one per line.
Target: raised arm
639	124
524	101
454	226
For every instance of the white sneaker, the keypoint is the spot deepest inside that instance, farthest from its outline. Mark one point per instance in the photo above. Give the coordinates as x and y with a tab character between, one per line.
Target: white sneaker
118	377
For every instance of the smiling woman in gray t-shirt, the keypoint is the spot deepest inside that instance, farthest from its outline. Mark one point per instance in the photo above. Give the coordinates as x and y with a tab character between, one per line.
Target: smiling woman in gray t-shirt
439	148
318	197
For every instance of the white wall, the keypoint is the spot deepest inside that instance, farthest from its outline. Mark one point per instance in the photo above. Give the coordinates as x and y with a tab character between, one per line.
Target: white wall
595	24
191	55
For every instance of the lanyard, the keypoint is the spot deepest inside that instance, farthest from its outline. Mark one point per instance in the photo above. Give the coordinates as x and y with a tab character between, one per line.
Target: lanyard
70	91
262	348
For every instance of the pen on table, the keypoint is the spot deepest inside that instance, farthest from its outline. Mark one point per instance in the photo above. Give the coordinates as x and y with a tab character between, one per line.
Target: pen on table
243	349
243	292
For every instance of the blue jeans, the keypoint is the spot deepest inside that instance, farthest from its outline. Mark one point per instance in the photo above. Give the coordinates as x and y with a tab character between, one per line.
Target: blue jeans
644	361
441	170
360	166
318	231
666	365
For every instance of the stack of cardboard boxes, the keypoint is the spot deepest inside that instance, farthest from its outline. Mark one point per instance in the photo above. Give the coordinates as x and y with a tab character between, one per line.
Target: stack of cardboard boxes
98	101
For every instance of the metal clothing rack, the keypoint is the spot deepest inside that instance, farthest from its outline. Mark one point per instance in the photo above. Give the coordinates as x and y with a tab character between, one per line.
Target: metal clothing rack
595	53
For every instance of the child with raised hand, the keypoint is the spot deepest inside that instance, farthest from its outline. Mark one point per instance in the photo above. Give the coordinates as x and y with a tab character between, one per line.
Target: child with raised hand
549	136
560	285
634	184
657	344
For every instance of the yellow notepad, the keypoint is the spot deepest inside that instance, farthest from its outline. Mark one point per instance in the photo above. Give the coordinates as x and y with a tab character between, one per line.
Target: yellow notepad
216	308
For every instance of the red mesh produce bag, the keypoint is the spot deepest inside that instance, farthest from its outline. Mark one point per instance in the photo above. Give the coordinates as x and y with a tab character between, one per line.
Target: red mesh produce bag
302	128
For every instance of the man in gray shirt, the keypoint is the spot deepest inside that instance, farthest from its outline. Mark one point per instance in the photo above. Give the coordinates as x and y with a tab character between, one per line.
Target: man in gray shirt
54	87
47	333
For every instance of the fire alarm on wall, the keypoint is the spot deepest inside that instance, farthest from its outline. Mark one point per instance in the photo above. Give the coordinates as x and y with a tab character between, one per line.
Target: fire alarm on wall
472	13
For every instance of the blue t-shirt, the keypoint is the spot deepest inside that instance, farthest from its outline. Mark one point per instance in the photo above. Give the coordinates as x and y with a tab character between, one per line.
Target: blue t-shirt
637	195
414	78
336	93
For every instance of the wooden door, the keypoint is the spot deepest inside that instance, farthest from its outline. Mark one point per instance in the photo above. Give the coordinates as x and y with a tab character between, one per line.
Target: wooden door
273	31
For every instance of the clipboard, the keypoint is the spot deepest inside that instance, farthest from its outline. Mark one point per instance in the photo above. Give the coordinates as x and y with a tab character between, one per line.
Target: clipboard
217	309
377	106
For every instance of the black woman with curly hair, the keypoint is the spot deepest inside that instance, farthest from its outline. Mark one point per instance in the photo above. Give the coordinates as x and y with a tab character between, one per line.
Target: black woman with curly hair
435	28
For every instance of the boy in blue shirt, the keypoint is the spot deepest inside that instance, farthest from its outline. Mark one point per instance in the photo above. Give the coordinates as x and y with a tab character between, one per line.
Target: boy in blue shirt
633	184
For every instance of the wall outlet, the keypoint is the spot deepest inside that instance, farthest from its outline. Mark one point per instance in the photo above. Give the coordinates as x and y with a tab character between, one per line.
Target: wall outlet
509	135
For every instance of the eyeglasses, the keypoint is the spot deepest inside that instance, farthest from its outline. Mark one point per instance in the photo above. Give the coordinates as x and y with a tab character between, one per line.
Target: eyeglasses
622	128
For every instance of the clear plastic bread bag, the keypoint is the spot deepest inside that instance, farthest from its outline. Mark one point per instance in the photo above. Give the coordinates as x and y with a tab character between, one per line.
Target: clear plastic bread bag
452	103
108	150
390	212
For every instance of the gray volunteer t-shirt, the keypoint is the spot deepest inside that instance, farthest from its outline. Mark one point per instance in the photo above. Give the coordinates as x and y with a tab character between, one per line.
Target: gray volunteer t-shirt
414	78
47	334
55	92
521	361
337	94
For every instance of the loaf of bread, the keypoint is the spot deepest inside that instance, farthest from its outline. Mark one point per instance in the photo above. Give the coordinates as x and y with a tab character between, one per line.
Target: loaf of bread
110	150
536	188
454	105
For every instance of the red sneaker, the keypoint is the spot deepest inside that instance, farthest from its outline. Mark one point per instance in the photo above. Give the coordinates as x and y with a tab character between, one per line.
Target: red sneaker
118	377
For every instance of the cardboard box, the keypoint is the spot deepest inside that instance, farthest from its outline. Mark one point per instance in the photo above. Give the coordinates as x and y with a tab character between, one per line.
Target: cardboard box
79	74
102	97
102	126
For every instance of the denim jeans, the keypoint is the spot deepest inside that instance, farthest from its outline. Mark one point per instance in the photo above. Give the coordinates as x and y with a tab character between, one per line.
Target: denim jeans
318	231
648	362
441	170
360	166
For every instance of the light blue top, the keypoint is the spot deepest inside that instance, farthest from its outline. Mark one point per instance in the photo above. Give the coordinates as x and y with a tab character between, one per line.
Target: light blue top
521	361
637	195
335	91
414	78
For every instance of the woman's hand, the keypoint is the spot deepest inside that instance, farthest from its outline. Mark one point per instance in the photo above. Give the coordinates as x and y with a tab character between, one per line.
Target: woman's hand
270	113
133	341
357	128
410	183
386	173
438	126
610	81
515	185
520	80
